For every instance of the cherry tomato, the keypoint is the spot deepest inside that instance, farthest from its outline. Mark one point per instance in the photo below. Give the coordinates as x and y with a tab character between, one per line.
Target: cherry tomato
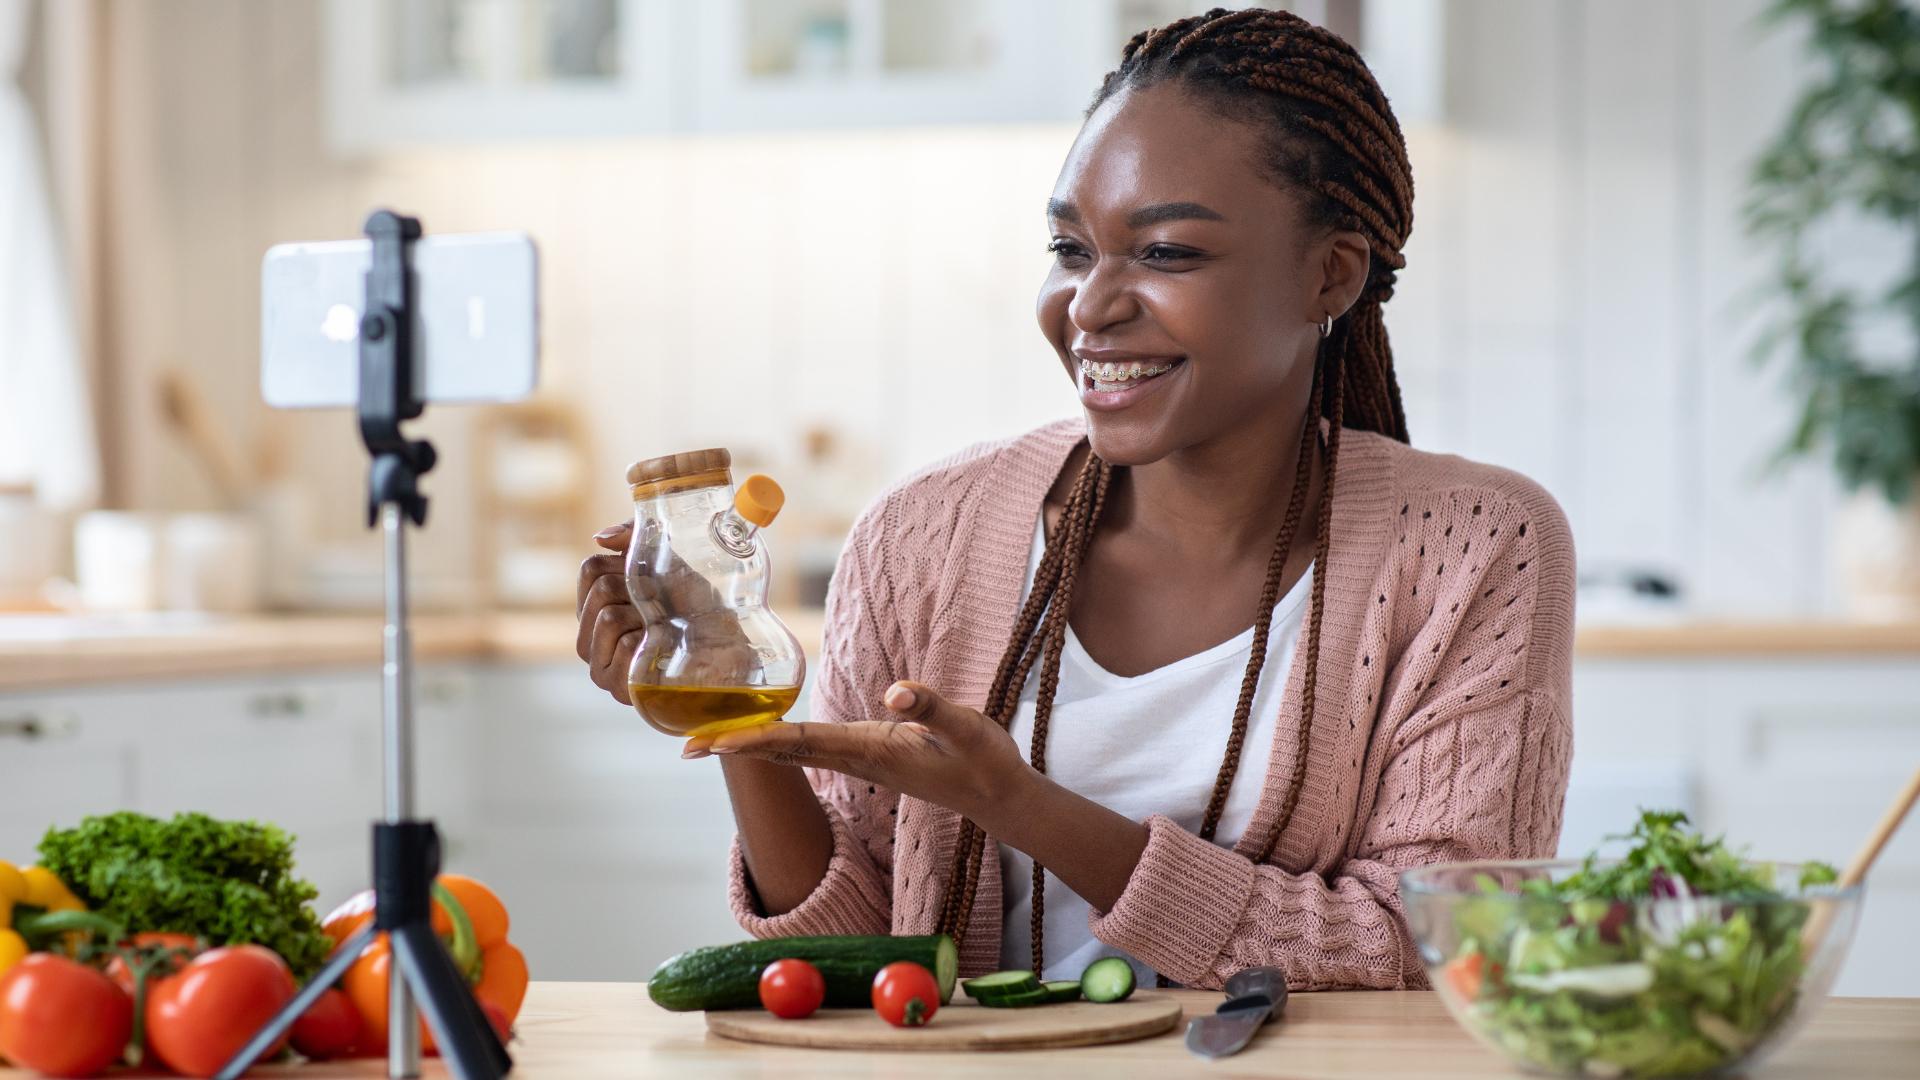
61	1018
792	989
202	1016
330	1029
905	994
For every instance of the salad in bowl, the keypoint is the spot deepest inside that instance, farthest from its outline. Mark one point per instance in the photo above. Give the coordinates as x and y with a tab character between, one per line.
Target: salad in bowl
1681	958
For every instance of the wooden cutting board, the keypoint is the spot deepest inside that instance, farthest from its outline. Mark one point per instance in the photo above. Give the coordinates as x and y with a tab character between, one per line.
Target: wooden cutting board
961	1026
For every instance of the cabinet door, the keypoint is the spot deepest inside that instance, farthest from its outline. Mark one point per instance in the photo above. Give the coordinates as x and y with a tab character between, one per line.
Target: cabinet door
809	64
609	849
442	71
299	752
57	765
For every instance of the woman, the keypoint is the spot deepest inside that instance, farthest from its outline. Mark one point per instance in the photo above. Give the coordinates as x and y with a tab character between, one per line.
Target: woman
1189	680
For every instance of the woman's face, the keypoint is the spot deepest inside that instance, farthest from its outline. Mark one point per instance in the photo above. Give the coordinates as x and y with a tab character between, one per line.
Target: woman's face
1179	262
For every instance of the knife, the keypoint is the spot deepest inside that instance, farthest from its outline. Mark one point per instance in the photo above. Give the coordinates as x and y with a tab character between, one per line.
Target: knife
1253	996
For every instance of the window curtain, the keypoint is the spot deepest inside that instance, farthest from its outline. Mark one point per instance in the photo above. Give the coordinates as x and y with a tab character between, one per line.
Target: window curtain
46	421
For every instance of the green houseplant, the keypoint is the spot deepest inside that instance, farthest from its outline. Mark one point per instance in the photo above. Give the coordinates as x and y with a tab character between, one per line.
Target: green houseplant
1849	153
1845	170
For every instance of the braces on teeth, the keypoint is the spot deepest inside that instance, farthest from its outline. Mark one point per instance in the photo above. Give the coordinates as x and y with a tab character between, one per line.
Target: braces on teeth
1114	373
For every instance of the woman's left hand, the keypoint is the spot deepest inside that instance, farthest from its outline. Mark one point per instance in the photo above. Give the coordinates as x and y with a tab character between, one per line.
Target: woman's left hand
932	749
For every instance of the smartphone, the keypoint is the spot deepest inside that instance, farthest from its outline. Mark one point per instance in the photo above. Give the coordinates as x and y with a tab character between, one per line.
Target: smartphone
476	330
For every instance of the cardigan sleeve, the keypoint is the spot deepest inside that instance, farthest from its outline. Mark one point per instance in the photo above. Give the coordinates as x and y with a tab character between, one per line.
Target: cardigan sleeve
857	664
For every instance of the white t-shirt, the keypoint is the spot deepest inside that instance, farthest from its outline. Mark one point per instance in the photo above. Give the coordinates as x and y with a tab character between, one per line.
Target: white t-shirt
1143	745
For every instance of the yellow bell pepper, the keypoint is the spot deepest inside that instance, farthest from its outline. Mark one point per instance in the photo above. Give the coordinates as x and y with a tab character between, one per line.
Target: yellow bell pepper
13	949
44	890
34	887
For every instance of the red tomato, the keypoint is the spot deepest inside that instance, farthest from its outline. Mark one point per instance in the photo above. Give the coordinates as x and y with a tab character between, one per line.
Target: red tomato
202	1016
62	1019
1465	974
905	994
792	989
330	1029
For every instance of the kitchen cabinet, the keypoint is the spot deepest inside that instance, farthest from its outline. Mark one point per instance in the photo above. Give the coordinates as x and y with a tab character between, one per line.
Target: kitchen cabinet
611	850
452	71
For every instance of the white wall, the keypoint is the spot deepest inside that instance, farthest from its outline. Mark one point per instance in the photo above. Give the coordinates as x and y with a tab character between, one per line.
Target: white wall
1568	307
1570	302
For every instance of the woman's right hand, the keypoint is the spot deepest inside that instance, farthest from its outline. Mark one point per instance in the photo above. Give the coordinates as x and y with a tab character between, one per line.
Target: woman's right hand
610	626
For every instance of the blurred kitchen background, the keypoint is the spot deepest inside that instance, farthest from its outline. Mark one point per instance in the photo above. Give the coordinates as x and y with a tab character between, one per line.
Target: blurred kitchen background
811	231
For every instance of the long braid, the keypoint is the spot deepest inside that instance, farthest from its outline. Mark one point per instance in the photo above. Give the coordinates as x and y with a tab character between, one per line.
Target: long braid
1333	140
1263	614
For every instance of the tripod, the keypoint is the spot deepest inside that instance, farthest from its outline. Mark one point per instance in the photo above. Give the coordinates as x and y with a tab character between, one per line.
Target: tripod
406	852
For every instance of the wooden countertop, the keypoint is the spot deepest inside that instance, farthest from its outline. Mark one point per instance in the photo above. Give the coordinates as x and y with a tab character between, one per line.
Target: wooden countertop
581	1031
49	651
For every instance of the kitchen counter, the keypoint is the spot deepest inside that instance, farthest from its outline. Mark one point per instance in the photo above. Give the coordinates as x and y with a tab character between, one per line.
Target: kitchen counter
581	1031
43	651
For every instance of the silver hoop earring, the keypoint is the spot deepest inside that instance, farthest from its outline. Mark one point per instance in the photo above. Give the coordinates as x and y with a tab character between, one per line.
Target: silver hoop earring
1326	327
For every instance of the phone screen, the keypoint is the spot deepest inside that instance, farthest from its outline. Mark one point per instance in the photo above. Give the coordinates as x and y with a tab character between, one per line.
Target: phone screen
476	328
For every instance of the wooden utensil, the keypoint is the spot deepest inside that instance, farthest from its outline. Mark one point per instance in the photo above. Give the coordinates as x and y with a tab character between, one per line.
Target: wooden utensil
962	1025
186	412
1856	871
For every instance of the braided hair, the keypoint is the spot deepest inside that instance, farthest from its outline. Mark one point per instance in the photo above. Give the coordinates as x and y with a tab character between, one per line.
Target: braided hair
1332	140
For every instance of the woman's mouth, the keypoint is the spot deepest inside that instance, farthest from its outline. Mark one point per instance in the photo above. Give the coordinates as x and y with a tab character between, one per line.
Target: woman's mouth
1114	385
1112	377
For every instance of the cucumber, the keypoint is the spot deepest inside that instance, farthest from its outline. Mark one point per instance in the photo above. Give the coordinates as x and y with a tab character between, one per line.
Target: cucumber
1061	990
1019	999
1001	984
728	976
1107	979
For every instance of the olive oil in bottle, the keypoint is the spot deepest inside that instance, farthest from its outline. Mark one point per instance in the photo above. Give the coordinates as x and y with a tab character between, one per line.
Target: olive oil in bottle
687	711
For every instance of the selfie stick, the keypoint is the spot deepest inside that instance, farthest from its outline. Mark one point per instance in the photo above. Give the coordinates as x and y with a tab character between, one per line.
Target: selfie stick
406	852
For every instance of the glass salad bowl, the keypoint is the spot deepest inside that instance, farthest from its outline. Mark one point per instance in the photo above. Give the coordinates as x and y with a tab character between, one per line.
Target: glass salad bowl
1606	968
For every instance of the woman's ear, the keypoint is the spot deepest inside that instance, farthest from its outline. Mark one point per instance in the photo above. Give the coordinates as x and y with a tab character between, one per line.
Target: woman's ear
1344	257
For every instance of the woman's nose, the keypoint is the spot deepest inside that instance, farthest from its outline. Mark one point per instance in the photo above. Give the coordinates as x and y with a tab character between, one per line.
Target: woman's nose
1102	300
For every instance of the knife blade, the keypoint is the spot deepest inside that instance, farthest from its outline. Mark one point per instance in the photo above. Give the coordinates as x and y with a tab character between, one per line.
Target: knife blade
1254	995
1230	1028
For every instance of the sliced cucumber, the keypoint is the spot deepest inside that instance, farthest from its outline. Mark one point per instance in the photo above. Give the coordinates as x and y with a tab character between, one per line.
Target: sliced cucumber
1061	990
1107	979
1017	1000
1001	984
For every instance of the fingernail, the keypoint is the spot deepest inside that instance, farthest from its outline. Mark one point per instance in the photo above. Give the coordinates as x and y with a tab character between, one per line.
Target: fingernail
697	752
899	697
612	531
725	749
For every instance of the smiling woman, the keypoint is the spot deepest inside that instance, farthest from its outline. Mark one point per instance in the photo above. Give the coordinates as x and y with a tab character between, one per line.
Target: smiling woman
1069	642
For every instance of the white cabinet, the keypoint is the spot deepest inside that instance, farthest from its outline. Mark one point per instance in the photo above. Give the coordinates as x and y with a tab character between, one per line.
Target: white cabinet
302	752
411	72
399	74
610	851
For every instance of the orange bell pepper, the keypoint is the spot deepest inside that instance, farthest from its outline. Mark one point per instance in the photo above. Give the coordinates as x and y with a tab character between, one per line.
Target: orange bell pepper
470	918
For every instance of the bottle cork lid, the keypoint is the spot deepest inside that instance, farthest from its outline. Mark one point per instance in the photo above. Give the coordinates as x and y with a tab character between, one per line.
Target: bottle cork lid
759	500
669	466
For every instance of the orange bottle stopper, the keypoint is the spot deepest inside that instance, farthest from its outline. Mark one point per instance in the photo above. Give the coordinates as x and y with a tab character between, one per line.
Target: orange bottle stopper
759	499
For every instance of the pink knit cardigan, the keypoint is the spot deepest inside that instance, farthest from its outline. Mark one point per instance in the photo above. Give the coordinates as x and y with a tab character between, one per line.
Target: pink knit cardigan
1442	730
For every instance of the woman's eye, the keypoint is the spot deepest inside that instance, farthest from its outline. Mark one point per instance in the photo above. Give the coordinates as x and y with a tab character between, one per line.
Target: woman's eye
1164	253
1065	250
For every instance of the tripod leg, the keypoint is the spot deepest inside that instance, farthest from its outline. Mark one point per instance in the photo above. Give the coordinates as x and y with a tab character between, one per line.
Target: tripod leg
263	1040
467	1041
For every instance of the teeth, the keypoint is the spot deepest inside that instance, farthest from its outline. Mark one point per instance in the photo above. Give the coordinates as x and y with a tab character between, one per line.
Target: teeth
1121	372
